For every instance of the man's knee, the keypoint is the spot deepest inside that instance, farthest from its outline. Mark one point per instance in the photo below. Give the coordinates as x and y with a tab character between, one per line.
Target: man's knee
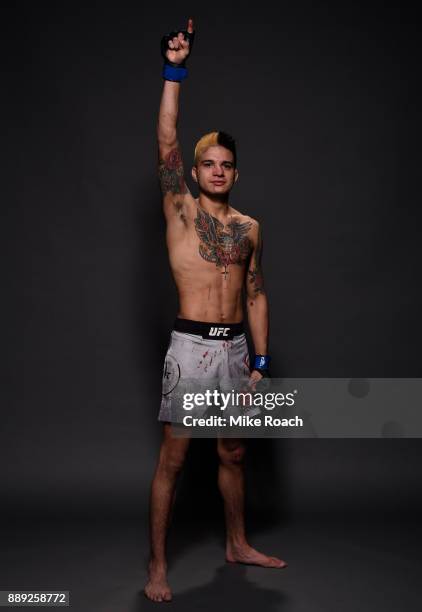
172	455
231	452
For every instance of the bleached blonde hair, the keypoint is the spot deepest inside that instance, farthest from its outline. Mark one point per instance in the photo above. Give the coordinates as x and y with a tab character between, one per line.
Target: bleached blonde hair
211	140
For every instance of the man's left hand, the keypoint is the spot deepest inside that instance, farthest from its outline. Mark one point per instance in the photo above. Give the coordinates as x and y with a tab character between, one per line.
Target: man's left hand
254	378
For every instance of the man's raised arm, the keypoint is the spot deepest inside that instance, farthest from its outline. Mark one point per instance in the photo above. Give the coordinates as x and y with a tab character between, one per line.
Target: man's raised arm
175	49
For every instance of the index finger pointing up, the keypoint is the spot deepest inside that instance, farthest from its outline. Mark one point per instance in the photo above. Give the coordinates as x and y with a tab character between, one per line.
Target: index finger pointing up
190	26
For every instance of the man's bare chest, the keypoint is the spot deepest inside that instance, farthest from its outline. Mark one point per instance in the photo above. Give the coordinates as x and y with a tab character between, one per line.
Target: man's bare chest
220	244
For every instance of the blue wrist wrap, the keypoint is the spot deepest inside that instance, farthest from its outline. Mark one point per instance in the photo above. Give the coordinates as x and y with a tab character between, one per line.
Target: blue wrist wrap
173	73
262	362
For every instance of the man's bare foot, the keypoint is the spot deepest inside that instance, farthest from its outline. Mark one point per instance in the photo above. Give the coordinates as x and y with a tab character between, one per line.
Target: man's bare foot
246	554
157	587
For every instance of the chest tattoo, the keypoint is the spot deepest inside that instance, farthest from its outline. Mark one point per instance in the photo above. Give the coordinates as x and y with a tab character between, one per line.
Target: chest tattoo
222	245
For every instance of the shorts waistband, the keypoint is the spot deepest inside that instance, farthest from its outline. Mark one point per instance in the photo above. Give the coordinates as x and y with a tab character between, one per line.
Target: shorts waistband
210	331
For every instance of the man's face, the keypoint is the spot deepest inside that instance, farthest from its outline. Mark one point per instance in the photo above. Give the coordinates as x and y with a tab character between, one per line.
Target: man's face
215	172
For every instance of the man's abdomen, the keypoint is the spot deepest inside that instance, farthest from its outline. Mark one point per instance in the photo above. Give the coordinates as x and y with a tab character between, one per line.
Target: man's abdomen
207	292
211	304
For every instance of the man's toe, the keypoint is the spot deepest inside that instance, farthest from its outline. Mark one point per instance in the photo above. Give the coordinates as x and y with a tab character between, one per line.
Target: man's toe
279	562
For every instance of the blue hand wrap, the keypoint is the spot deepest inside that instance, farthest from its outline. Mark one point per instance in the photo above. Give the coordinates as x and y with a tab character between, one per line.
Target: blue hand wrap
175	72
171	73
262	362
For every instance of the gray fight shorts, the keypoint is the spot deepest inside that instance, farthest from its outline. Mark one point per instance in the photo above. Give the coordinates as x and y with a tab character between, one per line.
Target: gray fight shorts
201	356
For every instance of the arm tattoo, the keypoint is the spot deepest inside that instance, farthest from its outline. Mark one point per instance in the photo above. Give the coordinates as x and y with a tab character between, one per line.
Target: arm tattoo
170	173
255	271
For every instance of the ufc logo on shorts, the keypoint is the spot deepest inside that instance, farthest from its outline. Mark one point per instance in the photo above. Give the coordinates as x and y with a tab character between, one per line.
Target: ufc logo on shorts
219	331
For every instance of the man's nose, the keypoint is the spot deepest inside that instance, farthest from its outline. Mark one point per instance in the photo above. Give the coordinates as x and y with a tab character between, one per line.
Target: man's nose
218	170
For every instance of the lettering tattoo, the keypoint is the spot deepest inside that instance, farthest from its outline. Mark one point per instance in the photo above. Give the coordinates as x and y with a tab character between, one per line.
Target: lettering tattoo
255	275
170	173
220	246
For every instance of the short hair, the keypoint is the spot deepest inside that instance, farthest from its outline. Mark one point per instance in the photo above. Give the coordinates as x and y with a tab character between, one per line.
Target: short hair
211	140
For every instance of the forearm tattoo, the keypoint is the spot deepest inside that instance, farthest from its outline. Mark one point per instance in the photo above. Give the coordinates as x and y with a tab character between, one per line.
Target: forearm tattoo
219	245
170	173
256	278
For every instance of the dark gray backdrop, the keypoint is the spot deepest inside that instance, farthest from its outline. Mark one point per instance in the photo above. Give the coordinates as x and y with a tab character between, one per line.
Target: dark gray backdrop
320	101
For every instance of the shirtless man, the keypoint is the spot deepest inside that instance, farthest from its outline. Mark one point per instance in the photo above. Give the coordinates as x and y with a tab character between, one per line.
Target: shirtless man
214	250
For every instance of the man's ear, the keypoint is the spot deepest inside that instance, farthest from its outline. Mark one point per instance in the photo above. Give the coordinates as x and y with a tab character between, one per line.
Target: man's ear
236	176
194	174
